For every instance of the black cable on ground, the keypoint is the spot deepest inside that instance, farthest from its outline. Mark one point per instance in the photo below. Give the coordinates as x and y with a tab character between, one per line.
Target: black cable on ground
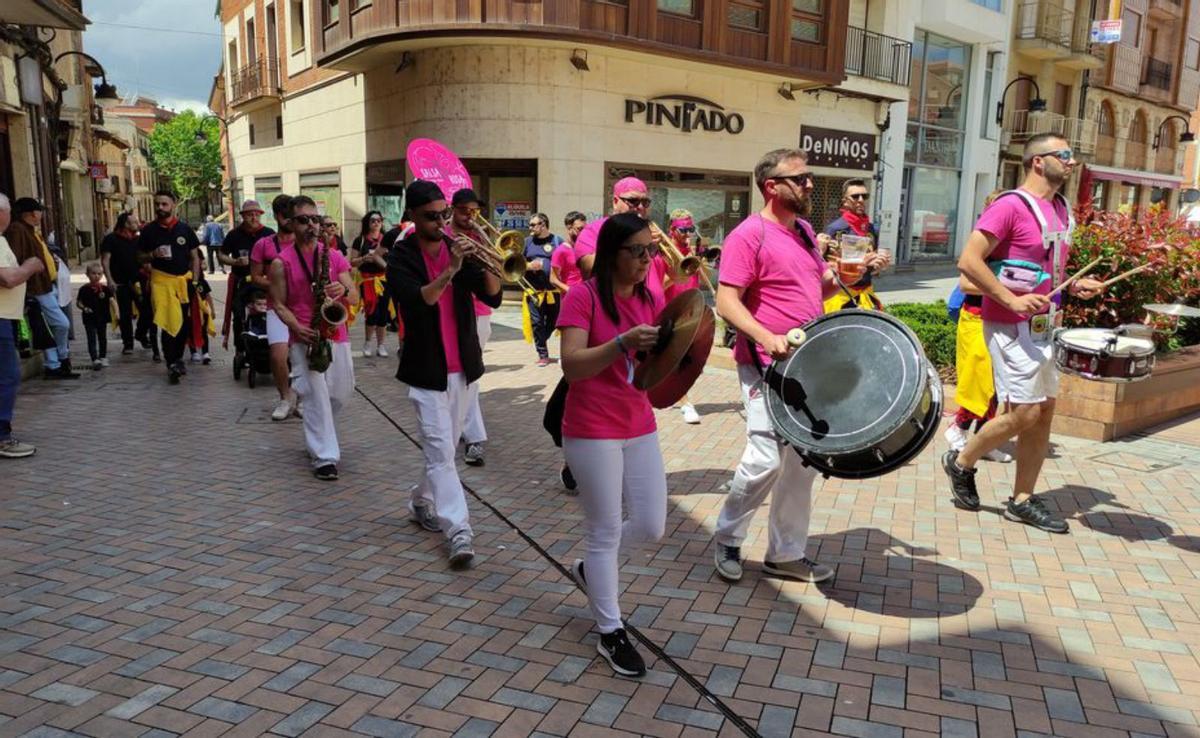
651	646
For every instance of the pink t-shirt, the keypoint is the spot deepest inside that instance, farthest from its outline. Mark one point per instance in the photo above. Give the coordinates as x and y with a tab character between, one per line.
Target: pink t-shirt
585	242
607	405
1020	237
676	288
299	287
480	308
564	260
781	275
435	266
656	275
264	252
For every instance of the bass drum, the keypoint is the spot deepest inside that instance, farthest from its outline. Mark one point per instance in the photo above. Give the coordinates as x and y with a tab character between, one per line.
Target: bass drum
858	398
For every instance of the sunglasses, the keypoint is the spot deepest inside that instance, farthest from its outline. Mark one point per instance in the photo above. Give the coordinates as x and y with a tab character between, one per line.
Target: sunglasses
801	180
687	229
328	225
306	219
376	220
536	224
1063	155
859	196
635	202
467	211
433	217
639	251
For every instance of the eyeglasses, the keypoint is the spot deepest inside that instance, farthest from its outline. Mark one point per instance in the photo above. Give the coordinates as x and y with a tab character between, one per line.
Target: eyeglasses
328	225
635	202
639	251
800	180
1063	155
687	229
433	217
306	219
467	210
859	196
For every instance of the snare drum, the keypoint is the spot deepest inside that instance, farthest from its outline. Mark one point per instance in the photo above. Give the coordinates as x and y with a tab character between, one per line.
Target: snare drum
1124	354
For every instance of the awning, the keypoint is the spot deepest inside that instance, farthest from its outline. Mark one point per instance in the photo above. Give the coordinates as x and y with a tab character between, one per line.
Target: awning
48	13
1135	176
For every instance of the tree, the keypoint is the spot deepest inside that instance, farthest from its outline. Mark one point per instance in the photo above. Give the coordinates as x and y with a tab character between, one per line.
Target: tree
191	162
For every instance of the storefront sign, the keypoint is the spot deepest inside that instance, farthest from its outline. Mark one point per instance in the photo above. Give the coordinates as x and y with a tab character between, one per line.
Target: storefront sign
512	215
1106	31
684	112
838	149
98	171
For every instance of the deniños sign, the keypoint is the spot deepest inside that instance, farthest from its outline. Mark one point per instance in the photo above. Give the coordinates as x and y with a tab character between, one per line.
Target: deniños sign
684	112
840	149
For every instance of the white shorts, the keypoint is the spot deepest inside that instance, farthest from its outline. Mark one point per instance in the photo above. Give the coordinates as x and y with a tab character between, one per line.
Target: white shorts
1023	368
277	331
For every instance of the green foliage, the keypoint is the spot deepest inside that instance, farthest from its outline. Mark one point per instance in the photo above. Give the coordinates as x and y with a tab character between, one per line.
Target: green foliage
933	327
192	164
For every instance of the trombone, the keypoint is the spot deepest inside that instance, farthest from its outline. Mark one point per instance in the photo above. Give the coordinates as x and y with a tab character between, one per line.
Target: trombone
686	265
504	255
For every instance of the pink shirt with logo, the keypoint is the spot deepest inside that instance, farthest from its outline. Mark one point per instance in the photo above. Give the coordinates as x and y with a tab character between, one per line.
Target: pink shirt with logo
435	266
1020	237
299	287
565	261
607	405
585	242
781	275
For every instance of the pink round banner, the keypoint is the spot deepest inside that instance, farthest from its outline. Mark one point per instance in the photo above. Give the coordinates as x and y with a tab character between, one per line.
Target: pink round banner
429	160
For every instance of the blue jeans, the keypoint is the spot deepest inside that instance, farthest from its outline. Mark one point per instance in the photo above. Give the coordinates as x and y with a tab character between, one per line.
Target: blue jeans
60	327
10	376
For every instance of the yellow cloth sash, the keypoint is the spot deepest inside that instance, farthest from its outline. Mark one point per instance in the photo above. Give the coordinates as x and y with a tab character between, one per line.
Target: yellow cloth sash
168	292
543	297
51	263
973	364
863	298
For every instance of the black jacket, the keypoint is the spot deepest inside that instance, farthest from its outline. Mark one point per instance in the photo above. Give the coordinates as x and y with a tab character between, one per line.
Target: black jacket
423	360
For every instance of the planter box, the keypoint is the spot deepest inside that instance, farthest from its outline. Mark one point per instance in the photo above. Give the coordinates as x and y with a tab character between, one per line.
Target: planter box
1102	411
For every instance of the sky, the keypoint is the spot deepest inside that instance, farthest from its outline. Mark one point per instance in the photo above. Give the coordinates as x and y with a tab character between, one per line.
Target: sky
165	49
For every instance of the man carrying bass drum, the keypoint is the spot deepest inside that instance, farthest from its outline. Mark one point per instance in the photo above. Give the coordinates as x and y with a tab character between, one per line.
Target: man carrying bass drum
773	278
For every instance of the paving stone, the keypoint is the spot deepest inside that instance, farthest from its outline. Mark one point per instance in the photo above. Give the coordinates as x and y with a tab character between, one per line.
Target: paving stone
302	719
219	709
67	694
142	701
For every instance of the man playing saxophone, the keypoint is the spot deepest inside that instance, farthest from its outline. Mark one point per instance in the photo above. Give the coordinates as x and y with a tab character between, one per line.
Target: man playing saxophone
305	278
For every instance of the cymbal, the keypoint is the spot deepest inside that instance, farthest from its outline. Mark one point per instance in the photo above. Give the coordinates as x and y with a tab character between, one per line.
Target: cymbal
677	323
676	384
1175	309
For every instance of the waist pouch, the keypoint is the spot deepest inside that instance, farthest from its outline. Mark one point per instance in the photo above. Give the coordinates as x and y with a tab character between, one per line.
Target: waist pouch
1019	276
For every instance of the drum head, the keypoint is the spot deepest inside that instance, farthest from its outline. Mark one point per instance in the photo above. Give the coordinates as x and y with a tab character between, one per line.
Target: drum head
1096	339
859	376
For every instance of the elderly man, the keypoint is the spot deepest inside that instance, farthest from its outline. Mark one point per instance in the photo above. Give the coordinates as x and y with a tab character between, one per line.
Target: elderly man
25	239
235	254
13	276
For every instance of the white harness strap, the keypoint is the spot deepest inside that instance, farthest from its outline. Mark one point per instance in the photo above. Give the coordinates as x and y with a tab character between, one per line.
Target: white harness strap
1049	240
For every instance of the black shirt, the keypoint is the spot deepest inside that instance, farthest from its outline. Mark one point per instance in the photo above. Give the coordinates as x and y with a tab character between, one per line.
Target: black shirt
178	241
95	301
123	262
364	247
239	240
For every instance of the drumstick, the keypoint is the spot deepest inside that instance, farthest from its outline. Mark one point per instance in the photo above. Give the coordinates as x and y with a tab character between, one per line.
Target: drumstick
1123	275
795	337
1067	282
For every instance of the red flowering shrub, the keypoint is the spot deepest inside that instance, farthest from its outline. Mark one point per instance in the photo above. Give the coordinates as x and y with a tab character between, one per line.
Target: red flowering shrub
1127	241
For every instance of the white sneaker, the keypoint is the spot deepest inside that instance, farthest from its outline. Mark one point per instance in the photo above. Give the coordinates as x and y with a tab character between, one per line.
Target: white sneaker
104	362
997	455
382	350
368	349
195	357
690	415
956	437
282	410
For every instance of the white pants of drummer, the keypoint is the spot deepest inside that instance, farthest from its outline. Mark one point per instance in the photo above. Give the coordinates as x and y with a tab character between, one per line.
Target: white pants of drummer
323	394
767	466
474	432
441	416
607	471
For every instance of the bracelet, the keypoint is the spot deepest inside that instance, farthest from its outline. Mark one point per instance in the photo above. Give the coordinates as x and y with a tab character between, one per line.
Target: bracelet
621	345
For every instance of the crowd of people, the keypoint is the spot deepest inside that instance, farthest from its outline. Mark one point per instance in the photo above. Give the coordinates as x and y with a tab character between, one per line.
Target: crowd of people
438	277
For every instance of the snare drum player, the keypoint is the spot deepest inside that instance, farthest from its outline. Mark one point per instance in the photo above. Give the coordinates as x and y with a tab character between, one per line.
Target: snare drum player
1015	256
432	283
773	278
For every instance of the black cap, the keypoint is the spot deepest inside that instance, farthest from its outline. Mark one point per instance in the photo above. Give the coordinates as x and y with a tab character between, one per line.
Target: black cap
421	192
464	196
26	205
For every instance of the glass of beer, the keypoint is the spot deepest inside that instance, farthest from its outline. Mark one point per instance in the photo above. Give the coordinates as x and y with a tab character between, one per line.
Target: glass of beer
854	250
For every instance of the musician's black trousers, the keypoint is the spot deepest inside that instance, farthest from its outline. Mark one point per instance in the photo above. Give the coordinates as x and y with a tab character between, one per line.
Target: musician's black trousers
544	317
174	346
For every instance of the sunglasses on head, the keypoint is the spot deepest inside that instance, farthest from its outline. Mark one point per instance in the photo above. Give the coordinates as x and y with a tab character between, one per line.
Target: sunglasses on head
639	251
433	217
635	202
306	219
859	196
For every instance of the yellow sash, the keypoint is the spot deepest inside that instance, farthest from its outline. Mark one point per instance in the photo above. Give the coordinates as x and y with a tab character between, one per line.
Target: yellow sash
51	263
974	365
543	297
168	293
862	298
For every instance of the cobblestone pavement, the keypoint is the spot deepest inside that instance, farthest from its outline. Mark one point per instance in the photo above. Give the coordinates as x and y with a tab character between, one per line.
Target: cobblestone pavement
169	566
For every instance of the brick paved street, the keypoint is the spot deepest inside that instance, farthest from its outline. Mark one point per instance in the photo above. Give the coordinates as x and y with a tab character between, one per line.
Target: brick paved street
169	566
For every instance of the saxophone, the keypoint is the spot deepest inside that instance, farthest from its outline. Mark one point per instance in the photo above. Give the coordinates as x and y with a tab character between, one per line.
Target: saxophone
327	316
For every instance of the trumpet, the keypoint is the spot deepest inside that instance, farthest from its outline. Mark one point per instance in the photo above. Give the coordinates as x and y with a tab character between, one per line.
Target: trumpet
504	253
685	265
506	267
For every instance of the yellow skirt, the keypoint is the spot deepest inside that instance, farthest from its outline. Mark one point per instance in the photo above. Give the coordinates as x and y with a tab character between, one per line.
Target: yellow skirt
973	364
168	293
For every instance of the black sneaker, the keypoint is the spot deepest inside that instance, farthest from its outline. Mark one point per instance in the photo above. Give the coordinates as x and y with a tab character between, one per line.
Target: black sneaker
577	574
173	376
181	368
962	482
620	654
127	350
1033	512
326	473
567	479
157	358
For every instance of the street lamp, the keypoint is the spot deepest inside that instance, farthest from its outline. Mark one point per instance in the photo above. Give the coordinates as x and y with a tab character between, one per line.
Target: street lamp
104	92
1036	105
1186	137
200	135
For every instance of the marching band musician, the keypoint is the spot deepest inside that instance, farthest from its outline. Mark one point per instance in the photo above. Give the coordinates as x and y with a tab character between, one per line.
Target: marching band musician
433	283
681	230
543	303
467	207
367	255
609	434
629	196
773	278
294	274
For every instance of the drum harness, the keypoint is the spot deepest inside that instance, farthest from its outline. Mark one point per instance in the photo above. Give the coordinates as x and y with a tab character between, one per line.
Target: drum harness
1051	241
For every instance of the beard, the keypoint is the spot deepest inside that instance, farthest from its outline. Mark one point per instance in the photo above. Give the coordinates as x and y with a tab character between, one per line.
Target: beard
162	214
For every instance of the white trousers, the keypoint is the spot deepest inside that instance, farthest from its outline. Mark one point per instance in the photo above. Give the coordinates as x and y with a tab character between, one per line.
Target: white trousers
441	416
767	466
607	471
323	395
474	432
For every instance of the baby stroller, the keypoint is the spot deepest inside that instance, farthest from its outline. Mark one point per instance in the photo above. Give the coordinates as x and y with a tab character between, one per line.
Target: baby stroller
253	351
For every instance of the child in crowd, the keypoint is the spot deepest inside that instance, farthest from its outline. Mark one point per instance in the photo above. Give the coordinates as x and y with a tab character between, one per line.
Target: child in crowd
95	301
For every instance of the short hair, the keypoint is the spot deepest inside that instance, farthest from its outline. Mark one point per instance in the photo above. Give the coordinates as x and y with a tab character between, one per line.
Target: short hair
282	204
299	200
123	220
4	203
545	220
93	266
573	216
771	161
167	194
856	182
1034	143
681	213
258	293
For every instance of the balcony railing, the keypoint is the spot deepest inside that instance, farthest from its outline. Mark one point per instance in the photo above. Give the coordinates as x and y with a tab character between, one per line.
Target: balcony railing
1157	74
876	56
1048	22
1081	134
255	80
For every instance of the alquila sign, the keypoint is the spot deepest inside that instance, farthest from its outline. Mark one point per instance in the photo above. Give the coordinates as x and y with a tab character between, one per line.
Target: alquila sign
684	112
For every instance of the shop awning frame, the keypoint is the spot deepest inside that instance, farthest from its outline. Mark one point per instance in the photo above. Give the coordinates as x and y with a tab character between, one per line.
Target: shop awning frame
1135	176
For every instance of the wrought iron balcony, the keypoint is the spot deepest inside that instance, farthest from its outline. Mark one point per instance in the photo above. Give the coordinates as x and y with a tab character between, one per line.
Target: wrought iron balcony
256	83
1157	74
876	56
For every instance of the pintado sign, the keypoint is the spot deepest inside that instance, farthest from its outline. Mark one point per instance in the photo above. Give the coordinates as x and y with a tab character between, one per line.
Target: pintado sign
685	112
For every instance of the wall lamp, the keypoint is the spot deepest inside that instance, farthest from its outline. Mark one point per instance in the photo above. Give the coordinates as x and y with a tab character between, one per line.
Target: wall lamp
104	92
1036	105
785	91
1186	137
579	60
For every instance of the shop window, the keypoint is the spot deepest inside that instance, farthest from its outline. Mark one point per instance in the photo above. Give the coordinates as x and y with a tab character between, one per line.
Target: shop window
747	15
325	190
678	7
718	201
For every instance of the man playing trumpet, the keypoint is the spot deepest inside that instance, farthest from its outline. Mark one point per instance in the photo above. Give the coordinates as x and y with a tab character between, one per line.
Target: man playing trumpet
675	270
433	277
467	209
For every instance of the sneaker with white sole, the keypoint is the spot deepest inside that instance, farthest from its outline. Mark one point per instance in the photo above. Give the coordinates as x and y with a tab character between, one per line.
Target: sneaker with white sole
620	654
577	574
804	570
282	410
956	437
424	516
728	560
104	362
368	349
381	351
474	454
690	416
11	448
998	455
461	551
